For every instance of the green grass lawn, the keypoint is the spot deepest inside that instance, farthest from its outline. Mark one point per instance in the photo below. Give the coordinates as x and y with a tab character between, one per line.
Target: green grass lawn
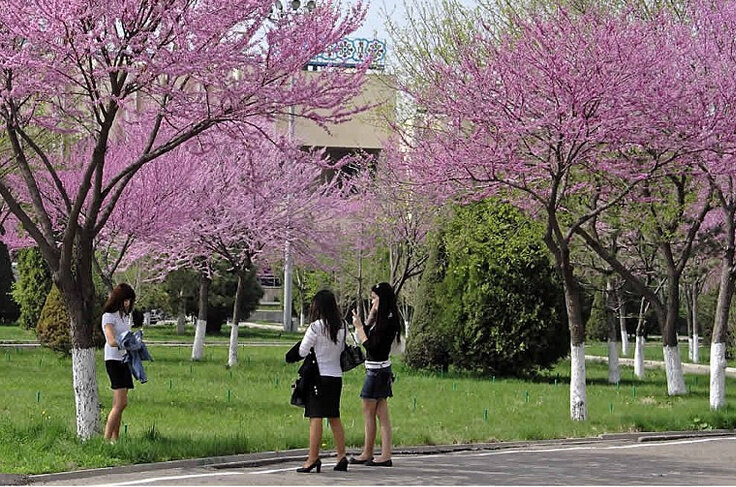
168	333
653	351
203	409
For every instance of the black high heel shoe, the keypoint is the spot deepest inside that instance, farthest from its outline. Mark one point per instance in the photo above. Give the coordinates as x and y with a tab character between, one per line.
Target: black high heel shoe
385	463
358	461
317	464
342	465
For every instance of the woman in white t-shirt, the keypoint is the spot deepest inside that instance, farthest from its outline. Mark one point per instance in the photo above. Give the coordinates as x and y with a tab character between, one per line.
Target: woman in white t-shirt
116	320
326	334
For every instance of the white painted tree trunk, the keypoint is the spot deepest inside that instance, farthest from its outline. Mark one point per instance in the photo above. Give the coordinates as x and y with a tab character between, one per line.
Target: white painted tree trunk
624	342
232	355
198	347
86	395
301	320
690	348
673	369
614	375
639	357
717	375
696	348
622	324
578	400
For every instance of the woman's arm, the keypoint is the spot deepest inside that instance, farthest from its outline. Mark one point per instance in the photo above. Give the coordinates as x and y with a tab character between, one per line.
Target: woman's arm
310	338
110	334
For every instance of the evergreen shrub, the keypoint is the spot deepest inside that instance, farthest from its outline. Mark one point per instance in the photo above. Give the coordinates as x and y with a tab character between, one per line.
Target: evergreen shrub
493	303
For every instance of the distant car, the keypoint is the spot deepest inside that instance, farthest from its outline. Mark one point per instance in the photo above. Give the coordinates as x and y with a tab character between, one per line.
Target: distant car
156	316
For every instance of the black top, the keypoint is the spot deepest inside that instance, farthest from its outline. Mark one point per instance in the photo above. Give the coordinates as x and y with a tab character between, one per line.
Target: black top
378	345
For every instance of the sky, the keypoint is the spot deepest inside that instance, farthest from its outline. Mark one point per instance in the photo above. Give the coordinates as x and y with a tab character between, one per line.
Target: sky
374	26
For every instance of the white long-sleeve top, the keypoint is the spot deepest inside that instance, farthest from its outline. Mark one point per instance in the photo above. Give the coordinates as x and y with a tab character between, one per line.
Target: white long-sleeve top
327	352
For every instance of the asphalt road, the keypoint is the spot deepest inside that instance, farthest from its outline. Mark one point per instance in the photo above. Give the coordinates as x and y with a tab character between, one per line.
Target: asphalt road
620	461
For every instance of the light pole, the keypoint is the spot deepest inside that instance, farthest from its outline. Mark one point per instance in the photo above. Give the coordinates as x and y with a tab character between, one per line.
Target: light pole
278	9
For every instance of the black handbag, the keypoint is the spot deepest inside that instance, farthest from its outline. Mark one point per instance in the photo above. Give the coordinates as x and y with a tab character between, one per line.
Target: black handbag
308	378
298	396
351	355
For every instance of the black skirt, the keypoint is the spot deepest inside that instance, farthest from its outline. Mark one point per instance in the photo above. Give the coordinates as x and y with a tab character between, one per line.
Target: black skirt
119	373
325	401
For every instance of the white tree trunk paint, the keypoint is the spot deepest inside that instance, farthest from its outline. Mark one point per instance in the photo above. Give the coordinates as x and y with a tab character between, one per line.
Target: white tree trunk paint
614	375
301	319
86	395
624	342
232	355
578	400
696	348
690	348
717	375
673	369
198	347
406	328
639	357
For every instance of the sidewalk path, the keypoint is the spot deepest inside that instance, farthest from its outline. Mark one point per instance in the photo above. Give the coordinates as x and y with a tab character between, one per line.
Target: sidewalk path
684	458
700	369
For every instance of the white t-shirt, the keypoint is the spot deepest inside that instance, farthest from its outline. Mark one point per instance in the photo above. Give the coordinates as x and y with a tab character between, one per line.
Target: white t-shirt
119	324
327	352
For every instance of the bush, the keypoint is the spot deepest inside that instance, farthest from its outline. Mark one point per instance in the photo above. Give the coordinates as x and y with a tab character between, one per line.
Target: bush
53	328
32	287
427	343
9	310
222	298
53	325
596	328
493	303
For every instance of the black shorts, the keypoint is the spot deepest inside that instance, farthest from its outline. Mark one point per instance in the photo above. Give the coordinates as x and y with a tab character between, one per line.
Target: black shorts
377	384
326	404
119	373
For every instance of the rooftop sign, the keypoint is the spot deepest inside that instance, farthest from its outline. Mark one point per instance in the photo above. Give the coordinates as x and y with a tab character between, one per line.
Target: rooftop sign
353	52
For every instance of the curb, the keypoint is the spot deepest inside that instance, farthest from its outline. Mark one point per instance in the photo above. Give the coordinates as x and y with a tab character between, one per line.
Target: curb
251	460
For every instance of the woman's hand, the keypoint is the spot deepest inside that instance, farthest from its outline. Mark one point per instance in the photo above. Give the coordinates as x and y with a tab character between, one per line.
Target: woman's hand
357	322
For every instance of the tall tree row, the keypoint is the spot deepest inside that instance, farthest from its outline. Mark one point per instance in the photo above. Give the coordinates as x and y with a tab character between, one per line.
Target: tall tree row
152	75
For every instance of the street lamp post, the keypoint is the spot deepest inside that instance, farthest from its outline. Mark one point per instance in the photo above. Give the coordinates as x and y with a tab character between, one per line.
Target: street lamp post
296	6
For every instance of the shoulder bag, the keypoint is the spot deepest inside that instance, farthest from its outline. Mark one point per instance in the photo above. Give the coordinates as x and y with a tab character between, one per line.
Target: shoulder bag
352	355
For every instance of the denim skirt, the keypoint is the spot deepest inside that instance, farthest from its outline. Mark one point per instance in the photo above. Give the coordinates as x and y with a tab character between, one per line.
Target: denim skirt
377	384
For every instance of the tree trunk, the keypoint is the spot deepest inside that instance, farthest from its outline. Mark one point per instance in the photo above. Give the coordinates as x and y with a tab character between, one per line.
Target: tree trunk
74	280
696	327
640	340
668	323
614	375
622	322
198	346
181	318
689	319
232	356
578	396
720	328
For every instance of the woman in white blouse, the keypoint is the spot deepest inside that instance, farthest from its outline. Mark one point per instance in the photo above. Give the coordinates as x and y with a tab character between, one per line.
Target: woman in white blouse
326	334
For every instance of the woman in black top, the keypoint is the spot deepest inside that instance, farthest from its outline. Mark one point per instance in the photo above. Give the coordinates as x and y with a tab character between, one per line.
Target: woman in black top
381	329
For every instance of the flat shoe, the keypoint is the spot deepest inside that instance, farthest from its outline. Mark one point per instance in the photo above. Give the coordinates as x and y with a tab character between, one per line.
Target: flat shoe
385	463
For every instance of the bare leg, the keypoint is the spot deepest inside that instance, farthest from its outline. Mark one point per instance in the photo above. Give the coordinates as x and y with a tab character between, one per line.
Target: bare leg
315	439
119	402
369	418
383	417
339	434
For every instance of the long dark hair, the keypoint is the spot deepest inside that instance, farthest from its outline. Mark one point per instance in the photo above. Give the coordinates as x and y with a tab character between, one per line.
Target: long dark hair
387	318
324	307
117	297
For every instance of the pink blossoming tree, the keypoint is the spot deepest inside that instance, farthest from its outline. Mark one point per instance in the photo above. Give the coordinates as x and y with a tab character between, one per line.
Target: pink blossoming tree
86	71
